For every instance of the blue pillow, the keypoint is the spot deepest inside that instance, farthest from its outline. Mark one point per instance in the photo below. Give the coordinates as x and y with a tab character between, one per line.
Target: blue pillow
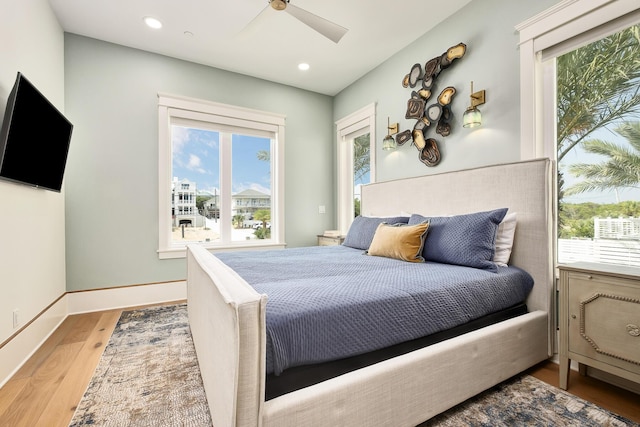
467	240
363	228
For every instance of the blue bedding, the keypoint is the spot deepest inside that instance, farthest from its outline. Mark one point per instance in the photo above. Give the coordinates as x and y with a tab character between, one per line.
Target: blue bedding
330	302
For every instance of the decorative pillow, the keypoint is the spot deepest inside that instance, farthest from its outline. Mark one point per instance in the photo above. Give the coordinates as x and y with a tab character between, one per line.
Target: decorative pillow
399	241
467	240
363	228
504	240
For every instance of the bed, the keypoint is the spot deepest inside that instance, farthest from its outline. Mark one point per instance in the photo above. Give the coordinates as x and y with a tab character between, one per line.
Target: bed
228	318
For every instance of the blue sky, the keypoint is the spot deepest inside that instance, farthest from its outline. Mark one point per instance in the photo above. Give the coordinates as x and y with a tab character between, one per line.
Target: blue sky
196	157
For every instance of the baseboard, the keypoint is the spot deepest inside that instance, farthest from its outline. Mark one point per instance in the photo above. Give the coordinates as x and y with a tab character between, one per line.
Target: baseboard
613	379
21	346
125	296
603	376
15	352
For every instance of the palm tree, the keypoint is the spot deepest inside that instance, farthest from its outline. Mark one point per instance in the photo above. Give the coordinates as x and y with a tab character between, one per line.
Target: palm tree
597	85
361	157
621	169
263	155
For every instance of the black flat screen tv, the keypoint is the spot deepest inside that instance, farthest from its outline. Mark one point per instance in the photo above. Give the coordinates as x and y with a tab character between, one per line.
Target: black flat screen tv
34	138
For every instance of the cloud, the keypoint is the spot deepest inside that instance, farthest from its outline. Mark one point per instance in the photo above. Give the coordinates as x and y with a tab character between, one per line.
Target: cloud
179	137
195	164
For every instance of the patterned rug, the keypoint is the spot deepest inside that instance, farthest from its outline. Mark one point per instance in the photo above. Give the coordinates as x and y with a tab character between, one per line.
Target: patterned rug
149	376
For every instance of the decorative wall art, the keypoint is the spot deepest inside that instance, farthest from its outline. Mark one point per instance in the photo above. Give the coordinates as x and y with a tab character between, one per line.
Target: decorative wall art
428	112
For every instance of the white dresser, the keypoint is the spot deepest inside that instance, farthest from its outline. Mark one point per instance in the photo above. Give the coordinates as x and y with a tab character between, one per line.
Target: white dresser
600	319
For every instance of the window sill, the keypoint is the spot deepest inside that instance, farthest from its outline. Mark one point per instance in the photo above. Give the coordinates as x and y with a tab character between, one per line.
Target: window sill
181	251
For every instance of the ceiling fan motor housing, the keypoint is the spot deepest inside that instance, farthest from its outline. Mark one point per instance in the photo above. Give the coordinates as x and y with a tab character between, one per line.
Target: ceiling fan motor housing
279	4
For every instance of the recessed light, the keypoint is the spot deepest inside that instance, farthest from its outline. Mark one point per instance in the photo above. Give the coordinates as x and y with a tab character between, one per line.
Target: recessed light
188	34
303	66
152	22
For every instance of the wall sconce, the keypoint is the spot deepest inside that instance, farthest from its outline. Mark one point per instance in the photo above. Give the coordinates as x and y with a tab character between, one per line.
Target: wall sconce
472	117
389	142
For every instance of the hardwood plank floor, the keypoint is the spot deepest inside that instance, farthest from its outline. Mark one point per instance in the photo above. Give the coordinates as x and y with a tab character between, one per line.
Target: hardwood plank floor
46	390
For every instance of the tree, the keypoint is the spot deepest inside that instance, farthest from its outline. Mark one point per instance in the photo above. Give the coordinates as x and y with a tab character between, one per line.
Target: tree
361	157
597	85
263	155
621	169
263	215
237	220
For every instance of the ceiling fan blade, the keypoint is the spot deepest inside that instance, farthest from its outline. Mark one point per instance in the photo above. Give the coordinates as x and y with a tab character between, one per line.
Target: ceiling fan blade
255	24
330	30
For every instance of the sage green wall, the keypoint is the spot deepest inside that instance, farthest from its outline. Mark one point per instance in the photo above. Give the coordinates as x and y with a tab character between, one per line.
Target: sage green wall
487	27
112	173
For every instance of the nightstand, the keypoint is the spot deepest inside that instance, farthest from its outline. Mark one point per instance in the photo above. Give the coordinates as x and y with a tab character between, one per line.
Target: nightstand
329	240
600	319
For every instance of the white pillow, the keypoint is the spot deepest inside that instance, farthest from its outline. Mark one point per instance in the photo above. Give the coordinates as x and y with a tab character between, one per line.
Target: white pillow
504	240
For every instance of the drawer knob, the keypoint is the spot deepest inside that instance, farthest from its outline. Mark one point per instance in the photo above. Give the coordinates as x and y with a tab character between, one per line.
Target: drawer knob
573	316
633	330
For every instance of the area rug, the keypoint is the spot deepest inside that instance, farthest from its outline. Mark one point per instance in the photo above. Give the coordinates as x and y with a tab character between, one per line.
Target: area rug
149	376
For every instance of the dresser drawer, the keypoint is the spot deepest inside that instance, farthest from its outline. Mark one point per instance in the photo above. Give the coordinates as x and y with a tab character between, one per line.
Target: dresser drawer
329	240
604	319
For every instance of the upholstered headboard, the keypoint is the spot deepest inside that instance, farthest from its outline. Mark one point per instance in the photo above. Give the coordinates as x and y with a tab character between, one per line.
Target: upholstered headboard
524	187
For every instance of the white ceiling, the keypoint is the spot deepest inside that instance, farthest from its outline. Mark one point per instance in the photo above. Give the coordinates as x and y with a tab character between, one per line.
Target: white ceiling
272	46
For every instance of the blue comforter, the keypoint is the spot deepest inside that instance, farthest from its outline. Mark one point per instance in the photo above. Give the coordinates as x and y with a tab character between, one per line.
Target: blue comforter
330	302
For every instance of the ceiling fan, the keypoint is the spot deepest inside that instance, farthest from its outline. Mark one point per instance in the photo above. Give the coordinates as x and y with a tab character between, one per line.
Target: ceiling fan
330	30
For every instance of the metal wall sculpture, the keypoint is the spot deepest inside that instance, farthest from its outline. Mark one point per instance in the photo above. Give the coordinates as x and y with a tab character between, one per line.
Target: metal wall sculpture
427	112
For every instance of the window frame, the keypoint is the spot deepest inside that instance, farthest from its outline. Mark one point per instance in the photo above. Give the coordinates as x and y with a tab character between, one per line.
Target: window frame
178	108
566	20
355	123
557	30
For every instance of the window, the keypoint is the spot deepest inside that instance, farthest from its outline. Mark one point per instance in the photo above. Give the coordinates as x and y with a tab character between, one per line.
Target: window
598	150
220	176
579	118
356	162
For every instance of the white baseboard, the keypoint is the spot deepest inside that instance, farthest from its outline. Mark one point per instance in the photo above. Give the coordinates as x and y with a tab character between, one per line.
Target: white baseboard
15	352
602	376
127	296
22	346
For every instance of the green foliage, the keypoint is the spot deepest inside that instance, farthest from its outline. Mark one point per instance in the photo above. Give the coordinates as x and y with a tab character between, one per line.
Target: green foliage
200	201
620	167
361	156
597	85
237	220
356	207
262	233
576	219
263	215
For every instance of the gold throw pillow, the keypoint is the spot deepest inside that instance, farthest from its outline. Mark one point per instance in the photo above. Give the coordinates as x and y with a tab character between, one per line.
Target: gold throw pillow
404	242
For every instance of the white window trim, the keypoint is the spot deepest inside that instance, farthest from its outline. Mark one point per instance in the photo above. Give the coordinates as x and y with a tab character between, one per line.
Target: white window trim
565	20
354	122
170	106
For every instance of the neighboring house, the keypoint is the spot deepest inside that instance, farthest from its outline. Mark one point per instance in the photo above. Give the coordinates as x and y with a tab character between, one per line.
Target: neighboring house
183	202
247	202
211	207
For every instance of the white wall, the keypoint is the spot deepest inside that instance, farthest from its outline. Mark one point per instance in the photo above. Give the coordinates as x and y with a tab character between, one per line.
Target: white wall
32	236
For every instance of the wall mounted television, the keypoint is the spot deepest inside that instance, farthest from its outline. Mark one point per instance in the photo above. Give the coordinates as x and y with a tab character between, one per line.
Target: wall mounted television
34	138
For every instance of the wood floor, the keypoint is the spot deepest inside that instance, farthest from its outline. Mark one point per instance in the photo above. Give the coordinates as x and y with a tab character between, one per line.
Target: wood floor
46	390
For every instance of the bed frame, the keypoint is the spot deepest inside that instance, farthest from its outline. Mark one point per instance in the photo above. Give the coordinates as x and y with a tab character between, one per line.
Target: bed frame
227	318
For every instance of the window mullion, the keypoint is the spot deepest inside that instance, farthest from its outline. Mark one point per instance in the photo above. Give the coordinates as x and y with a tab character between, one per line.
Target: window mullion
225	187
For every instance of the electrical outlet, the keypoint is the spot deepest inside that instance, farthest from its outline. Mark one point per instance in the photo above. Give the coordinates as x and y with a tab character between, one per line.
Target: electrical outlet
16	318
321	209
